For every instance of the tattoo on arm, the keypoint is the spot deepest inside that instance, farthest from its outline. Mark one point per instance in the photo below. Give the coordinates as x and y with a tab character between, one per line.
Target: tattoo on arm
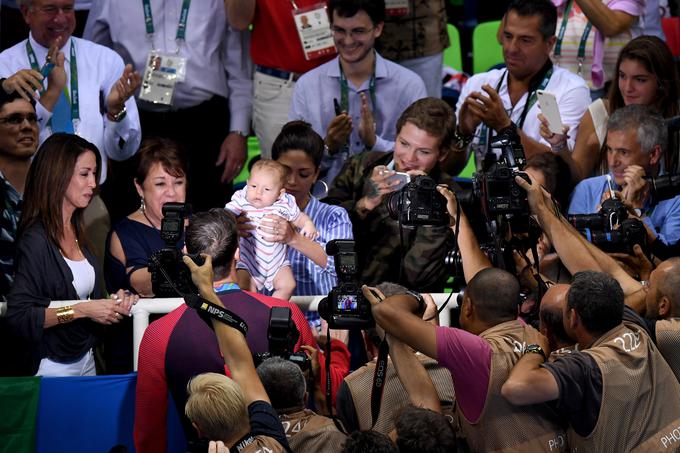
373	190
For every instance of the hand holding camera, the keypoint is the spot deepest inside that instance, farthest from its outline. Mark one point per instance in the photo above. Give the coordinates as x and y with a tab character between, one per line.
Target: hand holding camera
202	276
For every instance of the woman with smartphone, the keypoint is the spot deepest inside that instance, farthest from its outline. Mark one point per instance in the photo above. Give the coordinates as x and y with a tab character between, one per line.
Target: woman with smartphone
647	75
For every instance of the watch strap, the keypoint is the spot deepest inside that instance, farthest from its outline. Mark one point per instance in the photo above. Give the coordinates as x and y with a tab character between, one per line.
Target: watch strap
536	349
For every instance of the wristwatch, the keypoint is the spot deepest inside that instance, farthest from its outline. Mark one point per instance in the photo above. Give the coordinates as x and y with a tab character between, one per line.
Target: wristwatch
118	117
535	349
241	133
419	298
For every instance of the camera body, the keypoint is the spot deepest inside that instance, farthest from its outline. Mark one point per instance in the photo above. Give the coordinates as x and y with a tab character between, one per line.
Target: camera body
621	240
663	187
611	229
168	260
499	192
345	307
418	203
282	335
494	188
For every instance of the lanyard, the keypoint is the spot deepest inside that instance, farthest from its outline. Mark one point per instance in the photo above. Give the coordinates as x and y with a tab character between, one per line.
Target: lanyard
180	36
344	90
582	43
531	100
75	105
226	287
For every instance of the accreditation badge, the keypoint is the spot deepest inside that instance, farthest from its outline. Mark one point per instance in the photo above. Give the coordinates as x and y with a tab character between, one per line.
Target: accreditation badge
396	8
314	31
161	74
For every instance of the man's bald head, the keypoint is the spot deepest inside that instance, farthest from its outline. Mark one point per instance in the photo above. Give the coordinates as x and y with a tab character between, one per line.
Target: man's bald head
551	316
664	283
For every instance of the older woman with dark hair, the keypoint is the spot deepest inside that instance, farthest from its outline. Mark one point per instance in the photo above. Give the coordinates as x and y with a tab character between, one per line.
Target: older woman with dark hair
55	263
161	178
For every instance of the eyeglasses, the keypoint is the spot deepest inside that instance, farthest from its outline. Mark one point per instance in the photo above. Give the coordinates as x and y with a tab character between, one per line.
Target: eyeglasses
16	119
353	33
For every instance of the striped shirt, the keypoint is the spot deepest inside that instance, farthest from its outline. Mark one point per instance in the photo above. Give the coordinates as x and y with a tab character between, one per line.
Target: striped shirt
332	222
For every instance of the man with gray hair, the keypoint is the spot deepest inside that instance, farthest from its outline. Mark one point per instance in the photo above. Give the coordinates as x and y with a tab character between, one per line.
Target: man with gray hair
636	140
287	389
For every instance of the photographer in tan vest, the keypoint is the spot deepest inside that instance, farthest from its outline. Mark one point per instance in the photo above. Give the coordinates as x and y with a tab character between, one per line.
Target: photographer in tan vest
286	386
617	392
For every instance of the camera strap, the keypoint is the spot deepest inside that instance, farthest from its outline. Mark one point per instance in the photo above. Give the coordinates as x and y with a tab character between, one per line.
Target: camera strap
379	380
207	310
543	76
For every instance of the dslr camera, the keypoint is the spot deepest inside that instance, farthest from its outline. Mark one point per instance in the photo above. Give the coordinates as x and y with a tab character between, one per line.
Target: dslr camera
345	307
610	229
494	187
282	336
169	274
418	203
663	187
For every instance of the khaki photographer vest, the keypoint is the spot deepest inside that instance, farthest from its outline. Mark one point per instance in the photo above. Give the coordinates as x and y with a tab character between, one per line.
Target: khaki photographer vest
395	397
668	342
308	431
503	427
640	397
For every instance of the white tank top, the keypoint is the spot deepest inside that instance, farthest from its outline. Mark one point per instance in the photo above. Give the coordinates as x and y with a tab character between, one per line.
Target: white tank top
83	277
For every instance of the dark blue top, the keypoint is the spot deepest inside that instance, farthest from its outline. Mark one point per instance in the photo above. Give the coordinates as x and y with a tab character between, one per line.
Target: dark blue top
139	242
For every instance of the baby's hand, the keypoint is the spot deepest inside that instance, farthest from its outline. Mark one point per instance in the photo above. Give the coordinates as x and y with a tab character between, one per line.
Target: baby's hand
309	231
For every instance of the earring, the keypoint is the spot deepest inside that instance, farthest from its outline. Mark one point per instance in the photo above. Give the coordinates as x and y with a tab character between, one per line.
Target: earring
142	206
320	191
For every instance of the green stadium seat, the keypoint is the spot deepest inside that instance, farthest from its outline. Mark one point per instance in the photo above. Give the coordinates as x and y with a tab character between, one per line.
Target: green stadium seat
253	152
486	51
452	54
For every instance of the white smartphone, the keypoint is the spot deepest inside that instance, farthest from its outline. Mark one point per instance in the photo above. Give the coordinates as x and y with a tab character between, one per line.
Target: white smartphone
549	109
403	178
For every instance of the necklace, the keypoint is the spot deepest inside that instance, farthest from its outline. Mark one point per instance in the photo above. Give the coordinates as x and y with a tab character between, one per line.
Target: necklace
78	251
148	219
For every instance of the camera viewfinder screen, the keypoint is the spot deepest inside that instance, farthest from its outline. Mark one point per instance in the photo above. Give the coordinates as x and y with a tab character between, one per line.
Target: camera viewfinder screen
345	260
347	302
172	225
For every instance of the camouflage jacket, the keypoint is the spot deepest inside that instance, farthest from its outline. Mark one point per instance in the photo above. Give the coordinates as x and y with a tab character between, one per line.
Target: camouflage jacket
421	32
378	244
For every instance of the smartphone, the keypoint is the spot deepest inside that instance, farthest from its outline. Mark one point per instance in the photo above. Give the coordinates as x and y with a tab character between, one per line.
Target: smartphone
336	105
403	178
549	109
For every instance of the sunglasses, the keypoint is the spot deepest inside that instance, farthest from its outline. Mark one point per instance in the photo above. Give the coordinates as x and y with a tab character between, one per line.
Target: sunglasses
16	119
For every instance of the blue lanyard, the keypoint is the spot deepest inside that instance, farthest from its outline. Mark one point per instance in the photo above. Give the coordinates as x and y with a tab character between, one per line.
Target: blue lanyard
180	36
75	104
224	287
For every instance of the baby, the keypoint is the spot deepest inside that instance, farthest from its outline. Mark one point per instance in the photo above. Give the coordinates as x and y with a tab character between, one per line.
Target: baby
266	262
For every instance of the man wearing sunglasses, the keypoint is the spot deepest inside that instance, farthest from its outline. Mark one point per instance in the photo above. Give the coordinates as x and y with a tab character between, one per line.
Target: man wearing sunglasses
354	100
18	143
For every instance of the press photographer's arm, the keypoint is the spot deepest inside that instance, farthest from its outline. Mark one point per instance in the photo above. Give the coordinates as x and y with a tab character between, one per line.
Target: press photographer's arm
474	260
575	252
232	342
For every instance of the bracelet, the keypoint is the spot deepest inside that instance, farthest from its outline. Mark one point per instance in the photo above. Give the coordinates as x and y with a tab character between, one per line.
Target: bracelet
460	140
559	147
65	314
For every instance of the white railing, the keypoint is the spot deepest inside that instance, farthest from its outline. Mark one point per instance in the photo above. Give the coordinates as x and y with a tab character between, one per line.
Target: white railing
145	307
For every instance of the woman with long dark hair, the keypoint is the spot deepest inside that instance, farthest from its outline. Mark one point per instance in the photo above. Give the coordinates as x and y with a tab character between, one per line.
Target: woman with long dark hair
55	263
